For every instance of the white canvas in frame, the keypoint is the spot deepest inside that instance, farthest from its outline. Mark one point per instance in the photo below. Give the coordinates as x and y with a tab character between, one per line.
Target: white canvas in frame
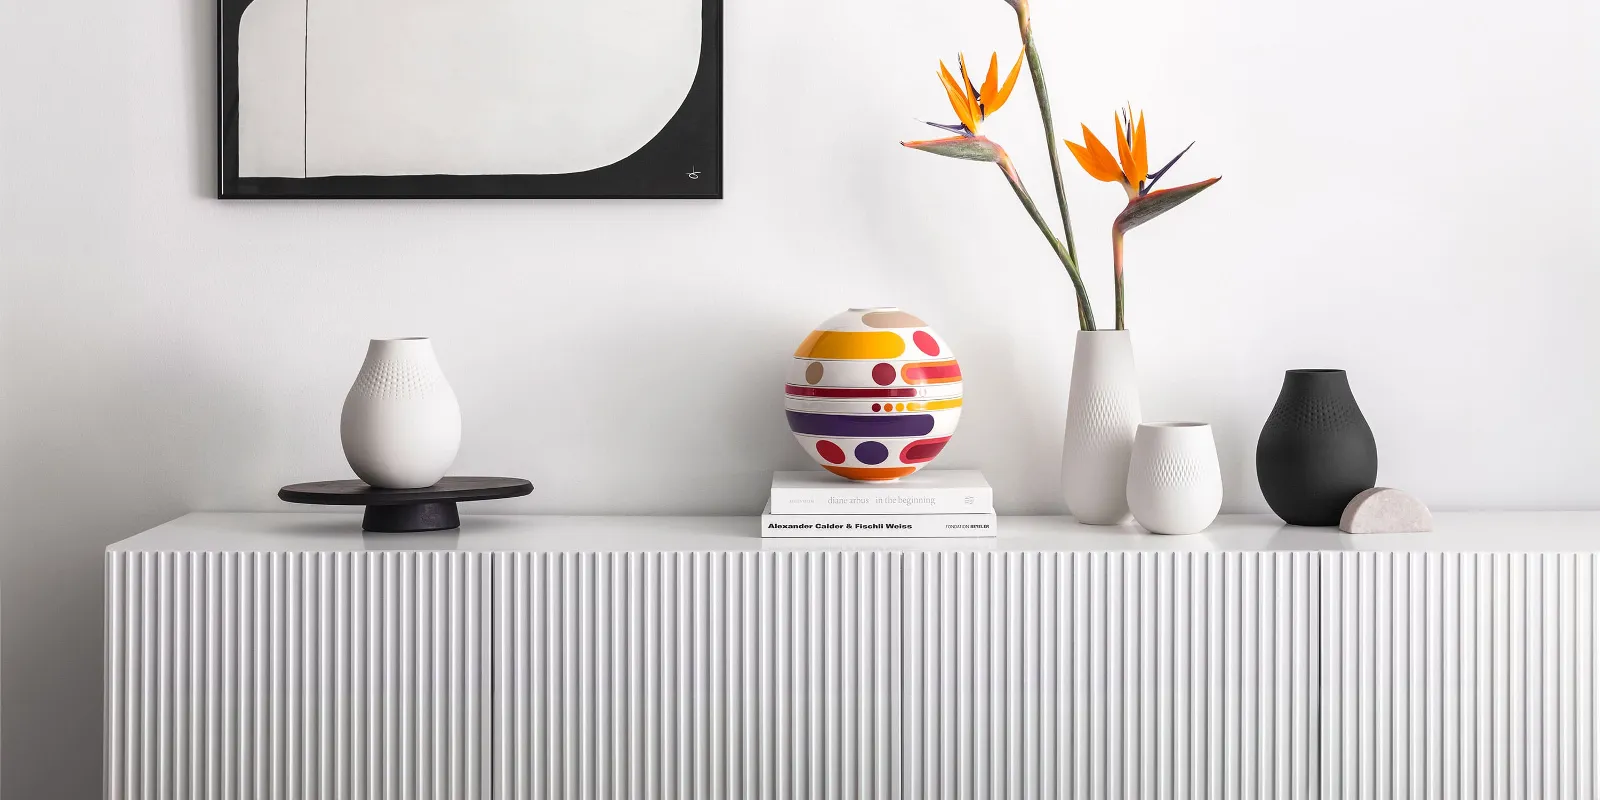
464	87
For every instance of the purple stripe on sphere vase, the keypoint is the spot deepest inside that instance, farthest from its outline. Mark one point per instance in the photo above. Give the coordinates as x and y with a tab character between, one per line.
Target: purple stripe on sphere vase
863	427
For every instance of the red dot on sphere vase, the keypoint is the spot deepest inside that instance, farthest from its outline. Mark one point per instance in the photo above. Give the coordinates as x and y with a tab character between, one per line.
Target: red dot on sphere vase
925	343
877	407
883	374
830	452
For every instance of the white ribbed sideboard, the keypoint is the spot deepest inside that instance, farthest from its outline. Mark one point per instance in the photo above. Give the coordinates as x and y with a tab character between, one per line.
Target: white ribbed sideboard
288	656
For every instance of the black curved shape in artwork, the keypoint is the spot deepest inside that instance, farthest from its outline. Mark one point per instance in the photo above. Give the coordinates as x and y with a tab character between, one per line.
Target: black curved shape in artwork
692	139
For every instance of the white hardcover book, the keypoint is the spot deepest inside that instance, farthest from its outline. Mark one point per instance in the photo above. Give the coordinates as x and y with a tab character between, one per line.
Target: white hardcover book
877	526
931	491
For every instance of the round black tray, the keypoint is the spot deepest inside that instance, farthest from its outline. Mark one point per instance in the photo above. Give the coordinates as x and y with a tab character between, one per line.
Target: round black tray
431	508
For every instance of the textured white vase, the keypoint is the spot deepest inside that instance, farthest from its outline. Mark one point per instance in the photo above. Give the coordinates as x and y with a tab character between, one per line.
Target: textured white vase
1174	481
401	424
1102	413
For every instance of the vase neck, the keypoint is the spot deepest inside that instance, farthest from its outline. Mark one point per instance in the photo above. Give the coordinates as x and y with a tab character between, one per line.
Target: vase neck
1316	382
413	348
1092	339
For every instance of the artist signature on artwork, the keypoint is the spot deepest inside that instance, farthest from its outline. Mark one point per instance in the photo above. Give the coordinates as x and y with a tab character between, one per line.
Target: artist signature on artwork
694	174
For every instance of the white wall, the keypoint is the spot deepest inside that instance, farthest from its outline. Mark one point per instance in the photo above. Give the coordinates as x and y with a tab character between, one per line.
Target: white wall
1408	193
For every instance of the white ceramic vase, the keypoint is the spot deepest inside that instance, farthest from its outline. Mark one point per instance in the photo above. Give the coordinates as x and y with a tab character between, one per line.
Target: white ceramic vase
401	424
1102	413
1174	481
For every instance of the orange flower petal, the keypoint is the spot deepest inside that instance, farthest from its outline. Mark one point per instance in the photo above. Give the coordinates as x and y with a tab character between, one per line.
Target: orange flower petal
971	91
958	98
1141	153
1090	165
990	86
1124	155
1005	88
1105	163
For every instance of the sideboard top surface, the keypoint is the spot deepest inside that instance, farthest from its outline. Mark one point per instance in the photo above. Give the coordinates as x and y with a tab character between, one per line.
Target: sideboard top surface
1455	532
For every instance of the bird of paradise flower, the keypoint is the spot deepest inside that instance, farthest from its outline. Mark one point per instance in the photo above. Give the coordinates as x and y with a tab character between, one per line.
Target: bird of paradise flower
1130	167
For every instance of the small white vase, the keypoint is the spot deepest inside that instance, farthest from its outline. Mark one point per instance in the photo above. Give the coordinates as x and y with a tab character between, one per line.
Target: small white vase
1102	413
401	424
1174	481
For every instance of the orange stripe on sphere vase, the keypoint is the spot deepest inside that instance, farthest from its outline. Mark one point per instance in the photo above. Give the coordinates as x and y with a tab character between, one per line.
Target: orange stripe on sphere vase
931	372
847	371
852	345
870	473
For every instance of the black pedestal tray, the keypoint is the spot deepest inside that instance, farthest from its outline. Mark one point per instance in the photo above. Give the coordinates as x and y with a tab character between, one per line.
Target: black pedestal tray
432	508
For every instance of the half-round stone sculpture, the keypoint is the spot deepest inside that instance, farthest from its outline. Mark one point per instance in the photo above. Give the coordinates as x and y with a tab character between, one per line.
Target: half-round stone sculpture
1382	510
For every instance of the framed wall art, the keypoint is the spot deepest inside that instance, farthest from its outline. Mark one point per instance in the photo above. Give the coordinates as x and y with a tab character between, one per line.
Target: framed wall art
470	98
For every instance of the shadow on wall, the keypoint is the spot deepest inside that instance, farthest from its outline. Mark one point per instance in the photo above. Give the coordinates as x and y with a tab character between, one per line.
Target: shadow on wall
91	461
83	466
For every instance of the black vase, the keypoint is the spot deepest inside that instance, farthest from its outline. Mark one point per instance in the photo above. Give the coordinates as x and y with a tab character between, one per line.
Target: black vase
1316	451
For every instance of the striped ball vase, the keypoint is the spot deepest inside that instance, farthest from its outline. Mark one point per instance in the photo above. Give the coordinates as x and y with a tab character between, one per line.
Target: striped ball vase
1102	413
873	394
1174	481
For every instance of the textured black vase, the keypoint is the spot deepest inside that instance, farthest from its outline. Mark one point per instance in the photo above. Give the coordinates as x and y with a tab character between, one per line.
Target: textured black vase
1316	451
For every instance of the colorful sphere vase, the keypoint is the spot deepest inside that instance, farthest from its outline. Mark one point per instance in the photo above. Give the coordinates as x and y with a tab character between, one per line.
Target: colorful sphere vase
873	394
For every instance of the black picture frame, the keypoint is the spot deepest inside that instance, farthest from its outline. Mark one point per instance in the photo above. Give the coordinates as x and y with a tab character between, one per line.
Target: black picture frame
683	161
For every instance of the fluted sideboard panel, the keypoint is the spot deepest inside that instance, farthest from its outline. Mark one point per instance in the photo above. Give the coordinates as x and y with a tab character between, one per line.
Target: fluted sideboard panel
1461	675
705	675
1110	675
295	675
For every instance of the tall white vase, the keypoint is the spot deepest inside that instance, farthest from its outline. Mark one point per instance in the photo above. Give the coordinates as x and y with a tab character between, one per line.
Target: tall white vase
1174	481
401	424
1102	414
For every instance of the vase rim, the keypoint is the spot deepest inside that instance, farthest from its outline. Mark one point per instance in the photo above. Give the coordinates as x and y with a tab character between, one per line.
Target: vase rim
865	309
1314	371
1106	330
404	339
1174	424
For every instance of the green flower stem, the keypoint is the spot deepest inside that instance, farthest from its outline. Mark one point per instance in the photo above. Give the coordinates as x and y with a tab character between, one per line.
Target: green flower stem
1085	313
1116	265
1040	93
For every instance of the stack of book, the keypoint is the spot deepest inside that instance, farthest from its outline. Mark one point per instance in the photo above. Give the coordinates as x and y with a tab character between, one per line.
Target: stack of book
929	503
